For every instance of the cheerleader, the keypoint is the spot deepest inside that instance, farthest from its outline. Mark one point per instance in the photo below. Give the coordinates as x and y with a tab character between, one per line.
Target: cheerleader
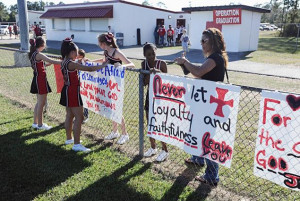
70	94
114	56
39	85
153	64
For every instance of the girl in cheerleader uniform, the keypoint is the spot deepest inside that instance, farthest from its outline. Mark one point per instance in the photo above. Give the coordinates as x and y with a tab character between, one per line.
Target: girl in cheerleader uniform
151	63
70	94
114	56
39	85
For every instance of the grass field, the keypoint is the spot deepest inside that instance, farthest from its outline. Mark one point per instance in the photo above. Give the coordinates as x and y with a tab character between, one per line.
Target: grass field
276	50
36	165
110	163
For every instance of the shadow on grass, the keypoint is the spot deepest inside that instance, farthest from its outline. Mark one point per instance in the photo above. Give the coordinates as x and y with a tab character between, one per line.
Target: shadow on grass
113	187
200	193
27	170
14	67
15	120
181	182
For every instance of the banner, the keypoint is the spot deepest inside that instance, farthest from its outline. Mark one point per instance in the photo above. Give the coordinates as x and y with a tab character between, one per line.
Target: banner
59	78
277	153
228	16
102	92
197	116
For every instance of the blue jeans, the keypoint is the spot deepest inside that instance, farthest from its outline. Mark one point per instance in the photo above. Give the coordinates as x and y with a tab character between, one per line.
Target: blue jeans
212	169
162	40
85	113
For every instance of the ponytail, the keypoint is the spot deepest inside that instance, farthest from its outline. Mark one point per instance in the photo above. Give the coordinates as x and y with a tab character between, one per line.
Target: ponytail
108	39
35	44
67	46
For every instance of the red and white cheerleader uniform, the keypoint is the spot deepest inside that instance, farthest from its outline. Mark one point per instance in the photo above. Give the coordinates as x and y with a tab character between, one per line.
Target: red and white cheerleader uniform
39	84
70	94
147	67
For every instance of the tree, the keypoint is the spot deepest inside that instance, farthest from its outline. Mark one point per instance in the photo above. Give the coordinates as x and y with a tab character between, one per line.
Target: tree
161	4
3	13
292	9
50	4
276	15
13	11
146	3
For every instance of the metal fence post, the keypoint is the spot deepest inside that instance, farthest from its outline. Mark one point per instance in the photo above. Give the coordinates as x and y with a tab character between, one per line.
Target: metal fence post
141	114
23	20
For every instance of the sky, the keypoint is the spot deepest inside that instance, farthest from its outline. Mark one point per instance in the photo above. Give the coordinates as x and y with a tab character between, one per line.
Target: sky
170	4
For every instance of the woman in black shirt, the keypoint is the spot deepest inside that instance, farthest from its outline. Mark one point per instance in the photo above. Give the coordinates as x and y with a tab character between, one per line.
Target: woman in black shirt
212	69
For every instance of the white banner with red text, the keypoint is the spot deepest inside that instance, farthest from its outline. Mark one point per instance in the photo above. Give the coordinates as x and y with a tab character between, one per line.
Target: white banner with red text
277	153
102	91
195	115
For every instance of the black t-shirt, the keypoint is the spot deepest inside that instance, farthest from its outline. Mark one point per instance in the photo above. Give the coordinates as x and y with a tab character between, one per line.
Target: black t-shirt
217	73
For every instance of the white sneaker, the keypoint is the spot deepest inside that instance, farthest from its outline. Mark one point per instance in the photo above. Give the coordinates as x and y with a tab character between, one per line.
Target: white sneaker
85	120
112	136
150	152
80	147
71	141
163	155
34	126
44	127
123	139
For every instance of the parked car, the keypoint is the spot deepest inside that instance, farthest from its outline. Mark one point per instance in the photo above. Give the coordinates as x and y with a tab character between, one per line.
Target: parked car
43	29
274	27
268	28
261	28
4	29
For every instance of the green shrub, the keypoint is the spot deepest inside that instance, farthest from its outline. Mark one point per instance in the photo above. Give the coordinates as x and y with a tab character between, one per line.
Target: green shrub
289	30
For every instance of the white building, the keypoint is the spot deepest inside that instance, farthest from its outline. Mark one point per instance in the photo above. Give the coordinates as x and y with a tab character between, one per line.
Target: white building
33	17
238	23
87	20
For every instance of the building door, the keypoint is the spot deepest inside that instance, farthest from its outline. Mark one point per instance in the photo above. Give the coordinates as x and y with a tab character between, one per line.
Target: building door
160	22
180	22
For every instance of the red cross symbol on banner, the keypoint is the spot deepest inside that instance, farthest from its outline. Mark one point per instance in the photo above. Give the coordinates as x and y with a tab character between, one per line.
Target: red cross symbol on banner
220	101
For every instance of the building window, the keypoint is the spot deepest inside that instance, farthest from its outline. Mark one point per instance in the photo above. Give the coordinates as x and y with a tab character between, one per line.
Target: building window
59	24
77	24
97	24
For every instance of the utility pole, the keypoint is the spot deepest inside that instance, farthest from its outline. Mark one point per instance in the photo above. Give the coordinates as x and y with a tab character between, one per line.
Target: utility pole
23	20
298	26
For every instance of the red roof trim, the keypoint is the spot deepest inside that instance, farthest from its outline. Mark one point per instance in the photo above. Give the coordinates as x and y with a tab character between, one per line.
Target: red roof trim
80	12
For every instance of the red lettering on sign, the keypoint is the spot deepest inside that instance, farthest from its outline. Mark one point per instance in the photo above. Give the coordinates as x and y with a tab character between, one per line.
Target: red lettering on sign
112	85
166	89
295	148
84	92
294	181
268	108
216	150
261	162
268	139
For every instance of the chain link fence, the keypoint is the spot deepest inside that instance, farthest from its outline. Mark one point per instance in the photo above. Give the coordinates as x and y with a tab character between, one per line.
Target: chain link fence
236	183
